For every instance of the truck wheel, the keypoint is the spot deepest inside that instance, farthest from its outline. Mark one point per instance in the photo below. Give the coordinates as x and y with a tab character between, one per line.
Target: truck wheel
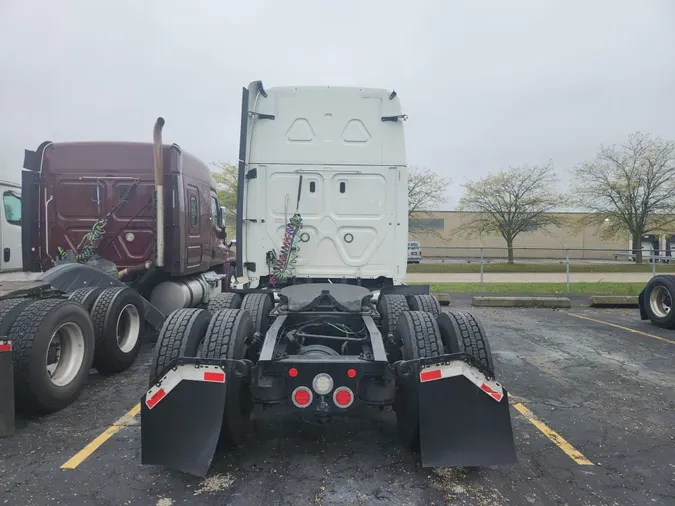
420	338
260	305
227	300
462	332
426	302
118	317
658	301
182	333
390	308
226	338
10	309
86	297
53	341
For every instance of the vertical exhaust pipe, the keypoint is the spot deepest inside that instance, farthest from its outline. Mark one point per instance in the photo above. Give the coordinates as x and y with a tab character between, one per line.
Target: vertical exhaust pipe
159	188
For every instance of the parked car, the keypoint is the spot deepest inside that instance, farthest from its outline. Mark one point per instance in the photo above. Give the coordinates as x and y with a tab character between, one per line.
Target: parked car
414	252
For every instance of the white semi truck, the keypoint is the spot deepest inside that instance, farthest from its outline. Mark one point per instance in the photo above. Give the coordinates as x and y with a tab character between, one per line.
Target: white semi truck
322	228
10	227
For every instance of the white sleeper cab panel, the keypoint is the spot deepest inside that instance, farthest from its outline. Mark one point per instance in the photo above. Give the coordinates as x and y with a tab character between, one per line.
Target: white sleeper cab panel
353	197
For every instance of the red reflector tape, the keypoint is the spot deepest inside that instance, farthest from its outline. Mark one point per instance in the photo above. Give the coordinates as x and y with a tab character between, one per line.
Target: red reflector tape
492	393
156	397
431	375
5	347
217	377
473	374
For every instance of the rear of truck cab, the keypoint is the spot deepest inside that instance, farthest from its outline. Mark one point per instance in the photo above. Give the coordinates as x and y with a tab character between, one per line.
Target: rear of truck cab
336	157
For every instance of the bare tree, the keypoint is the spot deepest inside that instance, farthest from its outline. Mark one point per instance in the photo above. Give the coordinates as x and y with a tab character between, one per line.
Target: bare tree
512	202
629	188
426	193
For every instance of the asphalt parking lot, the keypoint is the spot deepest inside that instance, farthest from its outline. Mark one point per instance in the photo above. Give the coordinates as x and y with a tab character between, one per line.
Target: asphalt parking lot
592	406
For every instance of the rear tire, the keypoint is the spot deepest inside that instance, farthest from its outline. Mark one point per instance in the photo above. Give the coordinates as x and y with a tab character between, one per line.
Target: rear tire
10	309
390	308
181	335
424	302
420	338
53	350
658	301
227	300
118	316
86	296
260	306
226	338
463	332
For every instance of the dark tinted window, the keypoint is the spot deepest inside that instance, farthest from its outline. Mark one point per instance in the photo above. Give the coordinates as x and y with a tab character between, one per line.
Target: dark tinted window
193	210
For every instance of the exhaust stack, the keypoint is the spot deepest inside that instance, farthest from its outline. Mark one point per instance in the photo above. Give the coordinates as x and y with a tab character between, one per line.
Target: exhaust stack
159	188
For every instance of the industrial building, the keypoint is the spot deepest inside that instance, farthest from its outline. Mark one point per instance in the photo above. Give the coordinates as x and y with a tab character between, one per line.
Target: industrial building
446	229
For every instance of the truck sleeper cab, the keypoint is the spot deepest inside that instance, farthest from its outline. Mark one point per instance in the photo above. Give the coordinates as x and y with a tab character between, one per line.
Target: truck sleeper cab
334	158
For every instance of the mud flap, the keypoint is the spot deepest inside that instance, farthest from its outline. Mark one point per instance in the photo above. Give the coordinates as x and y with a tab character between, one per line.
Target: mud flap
464	418
7	423
181	418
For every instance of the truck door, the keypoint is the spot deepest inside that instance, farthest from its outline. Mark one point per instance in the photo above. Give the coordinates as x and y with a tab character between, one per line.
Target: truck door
10	240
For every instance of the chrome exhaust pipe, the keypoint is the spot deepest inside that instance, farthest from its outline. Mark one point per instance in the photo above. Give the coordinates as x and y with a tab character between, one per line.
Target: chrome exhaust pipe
159	188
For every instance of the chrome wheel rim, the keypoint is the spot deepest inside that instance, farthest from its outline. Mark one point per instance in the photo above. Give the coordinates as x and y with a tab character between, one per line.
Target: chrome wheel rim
660	301
65	354
128	328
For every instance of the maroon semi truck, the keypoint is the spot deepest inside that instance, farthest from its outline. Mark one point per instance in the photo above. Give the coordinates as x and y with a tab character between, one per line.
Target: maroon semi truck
123	234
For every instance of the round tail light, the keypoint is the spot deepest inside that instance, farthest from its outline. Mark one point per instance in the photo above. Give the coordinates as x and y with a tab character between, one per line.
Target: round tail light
343	397
322	383
302	397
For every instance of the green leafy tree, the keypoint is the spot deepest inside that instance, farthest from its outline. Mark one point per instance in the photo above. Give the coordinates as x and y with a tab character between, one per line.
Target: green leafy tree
225	178
512	202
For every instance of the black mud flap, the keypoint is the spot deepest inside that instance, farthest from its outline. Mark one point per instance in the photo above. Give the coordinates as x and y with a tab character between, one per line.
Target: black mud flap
7	423
181	419
464	419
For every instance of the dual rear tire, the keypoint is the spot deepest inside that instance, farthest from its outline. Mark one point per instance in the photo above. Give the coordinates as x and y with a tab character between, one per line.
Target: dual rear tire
225	333
423	334
56	342
52	352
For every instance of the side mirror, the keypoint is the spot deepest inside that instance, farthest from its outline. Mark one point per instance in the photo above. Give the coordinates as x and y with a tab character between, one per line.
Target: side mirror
221	217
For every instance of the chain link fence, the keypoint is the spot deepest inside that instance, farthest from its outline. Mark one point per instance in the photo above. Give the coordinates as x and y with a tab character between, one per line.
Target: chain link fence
539	270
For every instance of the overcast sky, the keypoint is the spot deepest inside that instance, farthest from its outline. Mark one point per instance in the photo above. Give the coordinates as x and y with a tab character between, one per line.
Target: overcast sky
486	84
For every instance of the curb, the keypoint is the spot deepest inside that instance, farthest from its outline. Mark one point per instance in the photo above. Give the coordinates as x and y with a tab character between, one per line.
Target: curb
614	301
545	302
443	298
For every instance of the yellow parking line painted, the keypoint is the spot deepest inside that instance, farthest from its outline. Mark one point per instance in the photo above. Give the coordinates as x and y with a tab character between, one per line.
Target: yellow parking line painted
85	452
623	328
560	441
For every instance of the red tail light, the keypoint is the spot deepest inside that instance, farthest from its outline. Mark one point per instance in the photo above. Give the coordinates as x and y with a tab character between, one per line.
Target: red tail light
292	372
351	373
343	397
302	397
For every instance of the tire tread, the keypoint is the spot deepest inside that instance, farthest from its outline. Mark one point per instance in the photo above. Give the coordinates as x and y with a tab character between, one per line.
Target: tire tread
390	308
172	339
471	336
